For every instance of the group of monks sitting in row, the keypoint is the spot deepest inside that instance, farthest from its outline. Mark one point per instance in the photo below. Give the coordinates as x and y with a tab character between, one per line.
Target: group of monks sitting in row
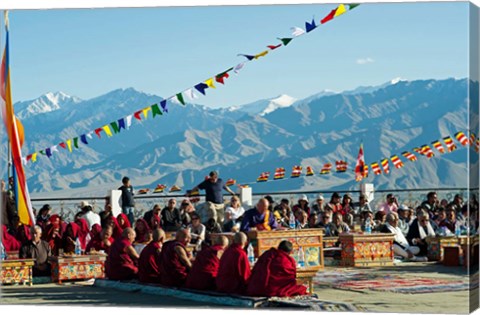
218	267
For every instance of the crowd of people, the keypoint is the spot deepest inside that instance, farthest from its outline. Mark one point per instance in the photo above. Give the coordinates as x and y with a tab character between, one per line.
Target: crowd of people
198	258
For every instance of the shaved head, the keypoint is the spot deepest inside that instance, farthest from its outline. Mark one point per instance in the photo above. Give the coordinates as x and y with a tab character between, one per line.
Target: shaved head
221	240
183	236
240	238
158	235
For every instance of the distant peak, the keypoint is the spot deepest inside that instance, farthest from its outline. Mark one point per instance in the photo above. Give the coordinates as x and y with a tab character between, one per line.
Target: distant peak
396	80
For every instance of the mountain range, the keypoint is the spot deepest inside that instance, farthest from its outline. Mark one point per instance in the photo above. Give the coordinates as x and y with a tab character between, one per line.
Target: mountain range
182	146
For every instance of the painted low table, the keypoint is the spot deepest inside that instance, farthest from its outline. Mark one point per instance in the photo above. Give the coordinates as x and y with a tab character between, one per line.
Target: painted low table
437	244
17	271
305	277
366	250
78	267
311	241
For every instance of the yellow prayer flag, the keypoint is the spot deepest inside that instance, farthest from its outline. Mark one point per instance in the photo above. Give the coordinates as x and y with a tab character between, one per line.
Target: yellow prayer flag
34	157
209	82
69	144
340	10
145	111
107	130
263	53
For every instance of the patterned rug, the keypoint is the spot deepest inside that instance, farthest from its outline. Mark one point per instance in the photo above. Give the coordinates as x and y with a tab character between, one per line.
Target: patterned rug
409	286
308	302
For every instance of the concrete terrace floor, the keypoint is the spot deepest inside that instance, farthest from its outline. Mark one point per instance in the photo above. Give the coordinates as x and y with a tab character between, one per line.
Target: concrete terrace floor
85	294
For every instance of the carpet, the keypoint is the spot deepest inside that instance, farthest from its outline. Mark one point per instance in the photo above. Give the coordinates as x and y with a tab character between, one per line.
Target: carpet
402	285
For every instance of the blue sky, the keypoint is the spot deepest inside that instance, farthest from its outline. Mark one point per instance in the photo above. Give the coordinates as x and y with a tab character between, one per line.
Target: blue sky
89	52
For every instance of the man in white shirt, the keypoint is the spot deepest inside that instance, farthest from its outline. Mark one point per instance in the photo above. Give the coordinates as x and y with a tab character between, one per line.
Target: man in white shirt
400	244
88	214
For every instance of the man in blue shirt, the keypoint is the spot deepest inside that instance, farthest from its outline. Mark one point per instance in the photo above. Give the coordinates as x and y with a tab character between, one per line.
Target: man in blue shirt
259	217
214	206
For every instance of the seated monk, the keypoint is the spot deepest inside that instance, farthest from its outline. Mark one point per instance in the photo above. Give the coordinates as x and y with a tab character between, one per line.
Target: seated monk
234	269
121	261
101	242
175	261
274	274
205	267
259	217
148	264
10	243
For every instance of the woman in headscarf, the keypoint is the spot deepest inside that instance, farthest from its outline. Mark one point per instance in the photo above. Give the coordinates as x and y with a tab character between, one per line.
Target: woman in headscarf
83	233
113	223
70	237
53	234
9	242
142	230
123	221
154	222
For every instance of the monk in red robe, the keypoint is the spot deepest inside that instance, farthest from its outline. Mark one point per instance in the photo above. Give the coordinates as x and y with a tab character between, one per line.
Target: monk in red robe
205	267
121	261
234	269
175	260
274	274
148	264
102	241
9	242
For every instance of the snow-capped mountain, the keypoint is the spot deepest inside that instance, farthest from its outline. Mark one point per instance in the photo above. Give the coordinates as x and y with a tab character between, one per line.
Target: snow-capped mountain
46	103
182	146
263	107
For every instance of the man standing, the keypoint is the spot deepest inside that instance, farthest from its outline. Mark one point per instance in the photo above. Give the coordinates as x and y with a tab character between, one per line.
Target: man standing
128	204
39	250
214	206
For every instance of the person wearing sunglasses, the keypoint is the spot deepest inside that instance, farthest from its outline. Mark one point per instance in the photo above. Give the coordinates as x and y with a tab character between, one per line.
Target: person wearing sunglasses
419	230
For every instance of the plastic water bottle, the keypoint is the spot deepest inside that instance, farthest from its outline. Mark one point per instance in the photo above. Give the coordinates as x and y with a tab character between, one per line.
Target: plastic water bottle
292	221
301	257
78	249
250	254
3	252
458	231
368	226
327	231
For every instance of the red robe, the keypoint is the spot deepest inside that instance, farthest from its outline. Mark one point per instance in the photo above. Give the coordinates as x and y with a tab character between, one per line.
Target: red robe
172	272
119	265
234	271
148	264
274	274
9	242
204	269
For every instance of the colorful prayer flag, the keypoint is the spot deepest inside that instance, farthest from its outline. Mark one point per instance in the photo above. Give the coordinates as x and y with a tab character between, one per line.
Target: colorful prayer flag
285	41
329	17
437	145
396	161
279	173
175	188
450	144
262	54
273	47
310	26
249	57
143	191
145	111
230	182
159	189
263	177
201	87
297	31
341	166
210	84
164	106
310	171
326	169
376	168
409	156
180	99
156	110
386	167
462	138
296	171
340	10
427	151
107	130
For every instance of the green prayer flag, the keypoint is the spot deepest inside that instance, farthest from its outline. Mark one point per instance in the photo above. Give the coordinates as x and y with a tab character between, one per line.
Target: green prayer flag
156	110
353	5
75	142
115	127
180	98
285	41
42	152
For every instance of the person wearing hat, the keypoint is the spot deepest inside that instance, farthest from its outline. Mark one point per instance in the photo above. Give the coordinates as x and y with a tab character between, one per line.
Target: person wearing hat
402	224
301	205
318	206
